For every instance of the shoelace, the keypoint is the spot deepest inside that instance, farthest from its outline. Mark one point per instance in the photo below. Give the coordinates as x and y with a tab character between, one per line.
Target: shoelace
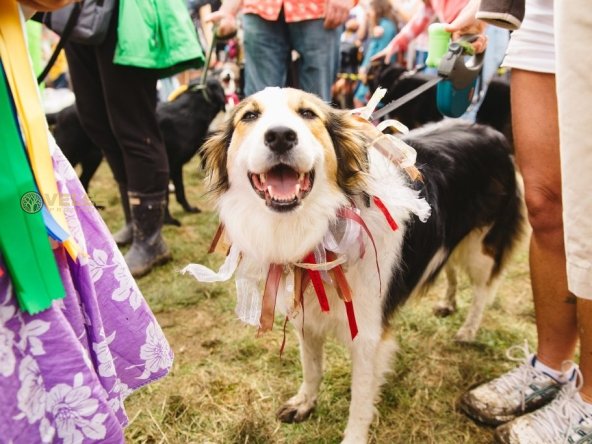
523	375
555	421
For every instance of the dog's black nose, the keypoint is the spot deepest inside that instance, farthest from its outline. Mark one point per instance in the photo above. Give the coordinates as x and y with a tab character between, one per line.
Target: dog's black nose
280	139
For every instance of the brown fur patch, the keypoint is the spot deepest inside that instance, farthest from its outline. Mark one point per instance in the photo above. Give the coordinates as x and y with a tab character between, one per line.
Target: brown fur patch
215	152
351	143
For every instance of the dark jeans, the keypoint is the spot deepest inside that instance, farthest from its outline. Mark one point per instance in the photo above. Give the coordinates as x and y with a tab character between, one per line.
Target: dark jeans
117	108
268	47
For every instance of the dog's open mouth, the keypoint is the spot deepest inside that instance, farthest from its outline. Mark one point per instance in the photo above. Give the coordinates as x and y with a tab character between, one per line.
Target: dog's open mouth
282	187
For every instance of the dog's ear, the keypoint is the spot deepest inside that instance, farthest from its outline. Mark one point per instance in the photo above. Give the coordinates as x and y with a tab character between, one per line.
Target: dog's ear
217	93
215	155
350	142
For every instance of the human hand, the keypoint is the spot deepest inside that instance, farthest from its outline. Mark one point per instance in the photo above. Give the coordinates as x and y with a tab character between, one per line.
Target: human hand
377	31
226	22
466	23
337	12
387	53
46	5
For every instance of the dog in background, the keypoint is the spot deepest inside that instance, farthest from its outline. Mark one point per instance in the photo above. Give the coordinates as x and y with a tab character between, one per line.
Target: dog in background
74	142
184	123
494	110
284	169
229	75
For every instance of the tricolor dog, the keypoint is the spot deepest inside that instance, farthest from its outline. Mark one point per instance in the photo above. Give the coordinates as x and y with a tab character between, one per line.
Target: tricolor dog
338	235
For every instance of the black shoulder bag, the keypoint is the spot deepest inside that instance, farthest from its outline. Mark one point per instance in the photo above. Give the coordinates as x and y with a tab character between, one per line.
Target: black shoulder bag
83	22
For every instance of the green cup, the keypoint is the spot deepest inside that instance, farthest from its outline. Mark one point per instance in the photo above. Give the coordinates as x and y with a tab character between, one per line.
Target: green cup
438	41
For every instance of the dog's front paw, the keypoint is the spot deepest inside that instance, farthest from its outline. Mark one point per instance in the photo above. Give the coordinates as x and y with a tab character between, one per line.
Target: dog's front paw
444	309
354	440
355	437
296	409
465	335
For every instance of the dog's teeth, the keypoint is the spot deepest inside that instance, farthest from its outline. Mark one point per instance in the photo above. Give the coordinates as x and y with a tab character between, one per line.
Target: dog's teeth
301	178
268	195
263	178
297	194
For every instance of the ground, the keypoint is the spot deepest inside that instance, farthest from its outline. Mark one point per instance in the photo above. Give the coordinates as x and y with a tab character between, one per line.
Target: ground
226	383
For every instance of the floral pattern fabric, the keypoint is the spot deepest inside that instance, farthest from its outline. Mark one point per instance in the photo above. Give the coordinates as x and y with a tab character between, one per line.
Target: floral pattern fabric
65	372
294	11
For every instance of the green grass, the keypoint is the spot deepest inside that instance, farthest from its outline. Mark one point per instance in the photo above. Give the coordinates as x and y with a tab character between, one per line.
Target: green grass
226	384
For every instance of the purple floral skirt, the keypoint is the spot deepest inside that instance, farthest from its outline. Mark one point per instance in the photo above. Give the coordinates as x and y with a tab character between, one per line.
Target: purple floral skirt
65	372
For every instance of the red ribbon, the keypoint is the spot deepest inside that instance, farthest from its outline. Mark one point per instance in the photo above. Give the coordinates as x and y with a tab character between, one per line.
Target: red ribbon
216	238
317	283
344	292
351	318
301	279
380	205
284	337
348	213
269	297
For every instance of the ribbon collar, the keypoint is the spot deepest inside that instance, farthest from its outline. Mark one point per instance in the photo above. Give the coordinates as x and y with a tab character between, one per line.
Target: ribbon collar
343	243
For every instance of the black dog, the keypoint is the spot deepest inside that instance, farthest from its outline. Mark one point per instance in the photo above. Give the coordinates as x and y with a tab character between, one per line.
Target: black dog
75	143
184	124
494	110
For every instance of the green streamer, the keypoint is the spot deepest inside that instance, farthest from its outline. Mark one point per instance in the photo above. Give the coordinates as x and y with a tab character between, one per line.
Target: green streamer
24	242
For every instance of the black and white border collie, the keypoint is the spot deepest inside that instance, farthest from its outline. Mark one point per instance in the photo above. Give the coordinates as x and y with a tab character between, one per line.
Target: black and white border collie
287	167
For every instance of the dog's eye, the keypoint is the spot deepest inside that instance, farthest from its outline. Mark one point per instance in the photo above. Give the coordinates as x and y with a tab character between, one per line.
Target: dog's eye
307	113
250	116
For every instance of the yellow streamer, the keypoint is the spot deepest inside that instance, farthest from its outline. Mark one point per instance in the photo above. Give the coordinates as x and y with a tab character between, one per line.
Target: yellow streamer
19	73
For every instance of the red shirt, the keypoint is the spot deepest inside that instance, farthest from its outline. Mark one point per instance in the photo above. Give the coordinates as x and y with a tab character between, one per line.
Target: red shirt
294	11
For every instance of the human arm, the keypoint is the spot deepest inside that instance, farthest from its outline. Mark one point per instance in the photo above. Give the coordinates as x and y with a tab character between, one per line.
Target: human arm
225	17
414	27
466	23
336	12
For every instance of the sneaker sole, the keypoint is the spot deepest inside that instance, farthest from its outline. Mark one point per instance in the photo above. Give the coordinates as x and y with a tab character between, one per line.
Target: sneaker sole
477	416
497	420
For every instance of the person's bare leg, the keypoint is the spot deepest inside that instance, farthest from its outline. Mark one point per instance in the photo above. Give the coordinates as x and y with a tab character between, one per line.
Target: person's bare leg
536	141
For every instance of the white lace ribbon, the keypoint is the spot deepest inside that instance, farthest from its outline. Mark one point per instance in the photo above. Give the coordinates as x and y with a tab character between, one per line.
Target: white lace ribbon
225	272
343	235
395	150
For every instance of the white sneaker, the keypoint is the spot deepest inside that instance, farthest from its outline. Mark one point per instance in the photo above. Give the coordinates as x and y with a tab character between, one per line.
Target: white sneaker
565	420
519	391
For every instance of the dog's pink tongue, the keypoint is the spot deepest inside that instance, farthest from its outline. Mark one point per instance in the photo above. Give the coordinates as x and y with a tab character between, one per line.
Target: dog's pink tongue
282	181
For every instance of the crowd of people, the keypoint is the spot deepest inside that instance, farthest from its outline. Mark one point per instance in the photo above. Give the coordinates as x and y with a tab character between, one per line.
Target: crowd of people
324	47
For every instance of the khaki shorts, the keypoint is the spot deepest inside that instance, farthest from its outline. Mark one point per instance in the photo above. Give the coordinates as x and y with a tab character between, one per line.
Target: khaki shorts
573	23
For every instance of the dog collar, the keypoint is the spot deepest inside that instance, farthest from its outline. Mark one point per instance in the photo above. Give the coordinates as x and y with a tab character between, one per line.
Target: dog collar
325	264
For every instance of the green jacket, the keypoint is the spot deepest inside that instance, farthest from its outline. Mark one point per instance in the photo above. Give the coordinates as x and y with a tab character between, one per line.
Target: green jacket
157	34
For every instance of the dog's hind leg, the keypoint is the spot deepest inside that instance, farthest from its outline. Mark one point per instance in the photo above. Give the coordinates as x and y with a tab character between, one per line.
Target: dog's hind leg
168	217
300	406
371	361
483	294
479	266
177	178
447	303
